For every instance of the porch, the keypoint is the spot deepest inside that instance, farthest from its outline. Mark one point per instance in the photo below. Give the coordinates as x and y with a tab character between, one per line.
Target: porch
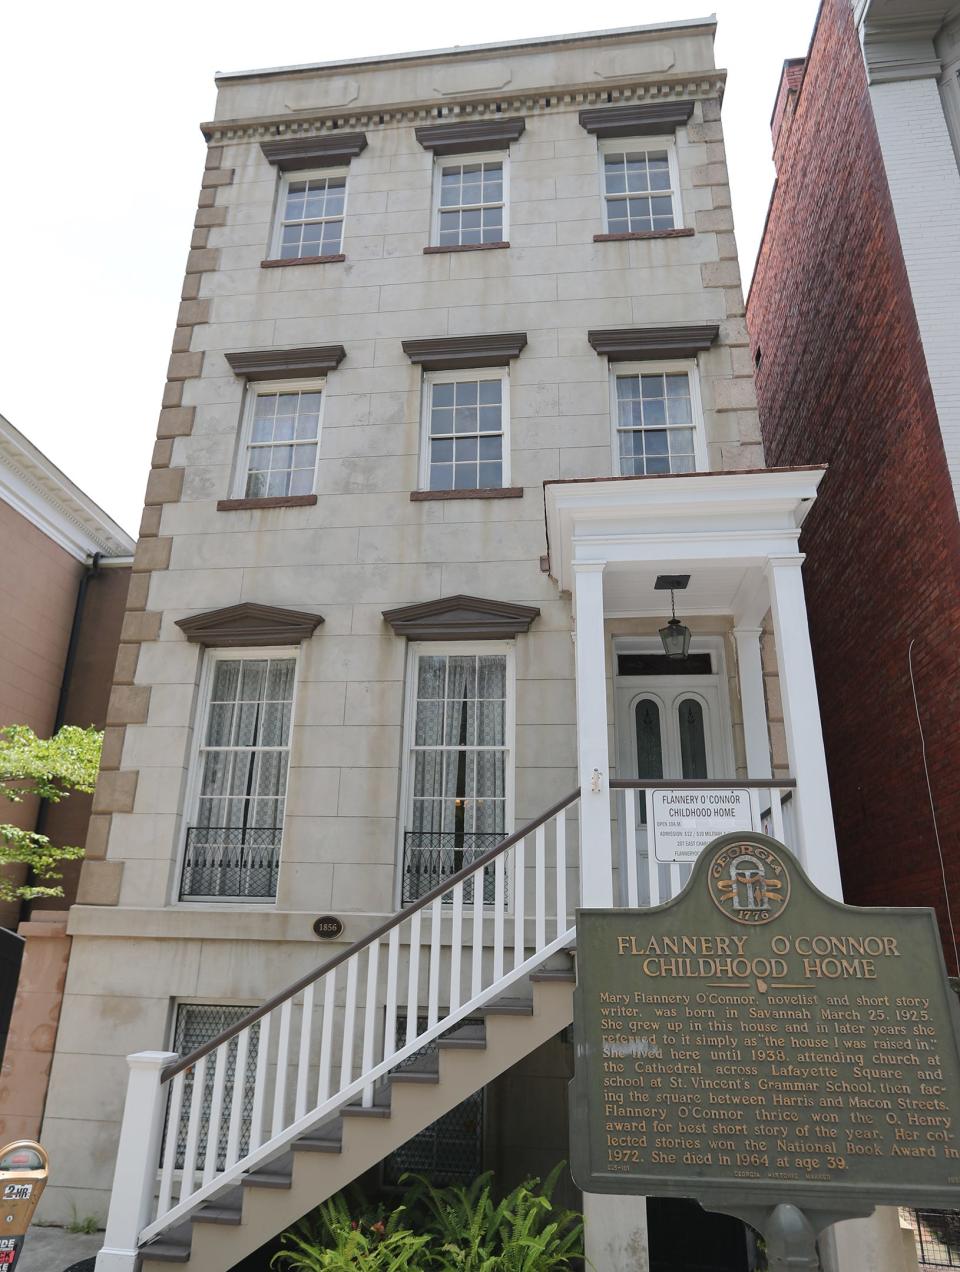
615	544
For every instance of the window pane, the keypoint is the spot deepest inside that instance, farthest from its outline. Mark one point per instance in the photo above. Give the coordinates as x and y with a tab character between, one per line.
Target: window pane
649	745
693	744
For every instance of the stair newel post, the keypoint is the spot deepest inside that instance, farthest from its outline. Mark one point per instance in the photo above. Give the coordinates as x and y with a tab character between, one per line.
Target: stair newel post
135	1173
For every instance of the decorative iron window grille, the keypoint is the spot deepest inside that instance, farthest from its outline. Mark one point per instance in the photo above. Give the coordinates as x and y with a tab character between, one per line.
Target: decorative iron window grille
449	1150
430	856
197	1024
937	1234
241	862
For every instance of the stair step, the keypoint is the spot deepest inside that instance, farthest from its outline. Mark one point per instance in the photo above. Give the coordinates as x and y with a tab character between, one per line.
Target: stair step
553	975
357	1110
416	1075
316	1144
167	1249
470	1043
277	1174
507	1007
217	1214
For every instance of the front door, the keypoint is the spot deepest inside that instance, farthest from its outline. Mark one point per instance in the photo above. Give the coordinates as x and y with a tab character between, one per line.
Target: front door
668	726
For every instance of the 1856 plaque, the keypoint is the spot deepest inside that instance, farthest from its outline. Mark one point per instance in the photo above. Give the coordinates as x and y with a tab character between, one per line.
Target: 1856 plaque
754	1044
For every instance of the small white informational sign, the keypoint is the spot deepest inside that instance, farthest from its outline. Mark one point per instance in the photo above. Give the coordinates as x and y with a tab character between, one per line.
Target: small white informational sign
685	821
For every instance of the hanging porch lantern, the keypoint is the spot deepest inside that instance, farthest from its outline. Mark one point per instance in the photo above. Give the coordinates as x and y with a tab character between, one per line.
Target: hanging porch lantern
675	636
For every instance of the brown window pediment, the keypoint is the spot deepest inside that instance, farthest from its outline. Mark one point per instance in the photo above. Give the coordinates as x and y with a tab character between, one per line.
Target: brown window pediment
250	624
451	353
471	134
640	119
294	154
638	344
461	618
286	364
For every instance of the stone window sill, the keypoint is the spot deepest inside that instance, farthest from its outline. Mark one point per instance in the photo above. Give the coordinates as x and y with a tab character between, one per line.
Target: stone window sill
684	232
490	492
276	263
464	247
274	501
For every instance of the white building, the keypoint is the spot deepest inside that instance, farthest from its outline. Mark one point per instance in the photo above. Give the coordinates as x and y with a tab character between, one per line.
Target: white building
461	373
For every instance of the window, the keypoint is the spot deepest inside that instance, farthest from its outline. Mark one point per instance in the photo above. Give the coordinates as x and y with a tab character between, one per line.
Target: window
640	187
280	435
197	1024
449	1150
657	418
466	430
470	201
233	844
310	219
459	775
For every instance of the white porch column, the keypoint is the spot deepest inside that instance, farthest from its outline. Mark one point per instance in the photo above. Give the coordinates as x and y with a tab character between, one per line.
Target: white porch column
138	1152
755	735
801	714
596	855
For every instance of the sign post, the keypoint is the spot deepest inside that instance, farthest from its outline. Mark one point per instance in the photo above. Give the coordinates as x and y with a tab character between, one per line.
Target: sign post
766	1050
23	1177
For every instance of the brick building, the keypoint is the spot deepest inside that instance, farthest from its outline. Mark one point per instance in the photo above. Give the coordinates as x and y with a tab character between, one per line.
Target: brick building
853	315
63	588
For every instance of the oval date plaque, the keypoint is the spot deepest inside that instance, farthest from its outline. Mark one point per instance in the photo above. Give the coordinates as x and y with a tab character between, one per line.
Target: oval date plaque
327	927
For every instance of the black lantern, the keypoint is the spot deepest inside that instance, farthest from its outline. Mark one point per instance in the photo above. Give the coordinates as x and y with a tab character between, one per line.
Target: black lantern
675	637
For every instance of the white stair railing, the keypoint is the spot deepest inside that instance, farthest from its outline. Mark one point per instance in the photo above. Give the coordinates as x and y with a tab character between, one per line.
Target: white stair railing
642	879
325	1041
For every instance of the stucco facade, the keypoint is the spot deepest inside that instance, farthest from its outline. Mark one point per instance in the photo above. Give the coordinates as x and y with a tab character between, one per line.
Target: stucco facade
373	535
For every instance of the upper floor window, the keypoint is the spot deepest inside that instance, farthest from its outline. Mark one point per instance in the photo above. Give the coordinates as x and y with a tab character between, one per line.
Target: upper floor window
466	444
470	201
657	419
281	432
233	840
640	186
310	214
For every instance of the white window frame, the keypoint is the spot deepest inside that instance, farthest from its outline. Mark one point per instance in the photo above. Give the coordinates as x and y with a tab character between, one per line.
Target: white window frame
315	174
487	156
191	803
431	647
264	388
618	145
669	367
430	378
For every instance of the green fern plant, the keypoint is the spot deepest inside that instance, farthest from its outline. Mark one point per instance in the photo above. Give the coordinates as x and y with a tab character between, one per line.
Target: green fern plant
521	1233
331	1240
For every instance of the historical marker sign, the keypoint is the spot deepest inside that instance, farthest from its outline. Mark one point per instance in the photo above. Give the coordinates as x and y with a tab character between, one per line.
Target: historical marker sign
753	1043
685	821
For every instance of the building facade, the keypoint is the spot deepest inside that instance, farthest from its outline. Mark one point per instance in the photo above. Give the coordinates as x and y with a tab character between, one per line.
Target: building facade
460	397
63	588
852	312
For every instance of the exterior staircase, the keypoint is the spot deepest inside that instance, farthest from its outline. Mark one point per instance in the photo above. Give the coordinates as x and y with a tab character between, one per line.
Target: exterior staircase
321	1162
222	1149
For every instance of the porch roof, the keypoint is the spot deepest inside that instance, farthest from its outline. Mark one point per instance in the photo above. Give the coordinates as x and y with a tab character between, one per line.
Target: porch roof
721	528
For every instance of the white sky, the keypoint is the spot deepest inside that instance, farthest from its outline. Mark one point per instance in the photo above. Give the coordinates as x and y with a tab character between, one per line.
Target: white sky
102	164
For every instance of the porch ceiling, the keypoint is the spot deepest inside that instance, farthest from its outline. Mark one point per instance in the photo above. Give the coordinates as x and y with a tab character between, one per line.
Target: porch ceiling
720	528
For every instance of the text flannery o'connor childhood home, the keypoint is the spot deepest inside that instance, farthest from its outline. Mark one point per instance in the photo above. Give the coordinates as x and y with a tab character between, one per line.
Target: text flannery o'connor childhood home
460	405
853	312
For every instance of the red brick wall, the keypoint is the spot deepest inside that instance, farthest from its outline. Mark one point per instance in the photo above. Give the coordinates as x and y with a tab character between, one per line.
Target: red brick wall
842	380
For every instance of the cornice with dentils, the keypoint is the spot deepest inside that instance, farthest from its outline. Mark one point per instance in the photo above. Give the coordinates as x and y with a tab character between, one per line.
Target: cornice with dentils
533	101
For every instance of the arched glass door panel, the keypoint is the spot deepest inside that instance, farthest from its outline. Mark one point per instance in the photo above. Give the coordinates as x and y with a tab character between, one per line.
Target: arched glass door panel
648	724
693	738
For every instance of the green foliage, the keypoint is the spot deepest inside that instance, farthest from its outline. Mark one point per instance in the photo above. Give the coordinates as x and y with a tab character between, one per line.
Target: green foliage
521	1233
452	1229
329	1240
88	1224
48	768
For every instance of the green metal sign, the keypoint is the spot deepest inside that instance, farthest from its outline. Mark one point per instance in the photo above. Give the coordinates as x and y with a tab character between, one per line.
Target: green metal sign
754	1044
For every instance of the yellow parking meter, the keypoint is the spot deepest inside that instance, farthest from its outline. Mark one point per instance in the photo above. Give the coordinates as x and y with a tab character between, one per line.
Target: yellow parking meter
23	1177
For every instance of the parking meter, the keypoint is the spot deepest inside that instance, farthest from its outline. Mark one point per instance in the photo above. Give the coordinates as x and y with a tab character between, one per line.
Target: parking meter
23	1177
